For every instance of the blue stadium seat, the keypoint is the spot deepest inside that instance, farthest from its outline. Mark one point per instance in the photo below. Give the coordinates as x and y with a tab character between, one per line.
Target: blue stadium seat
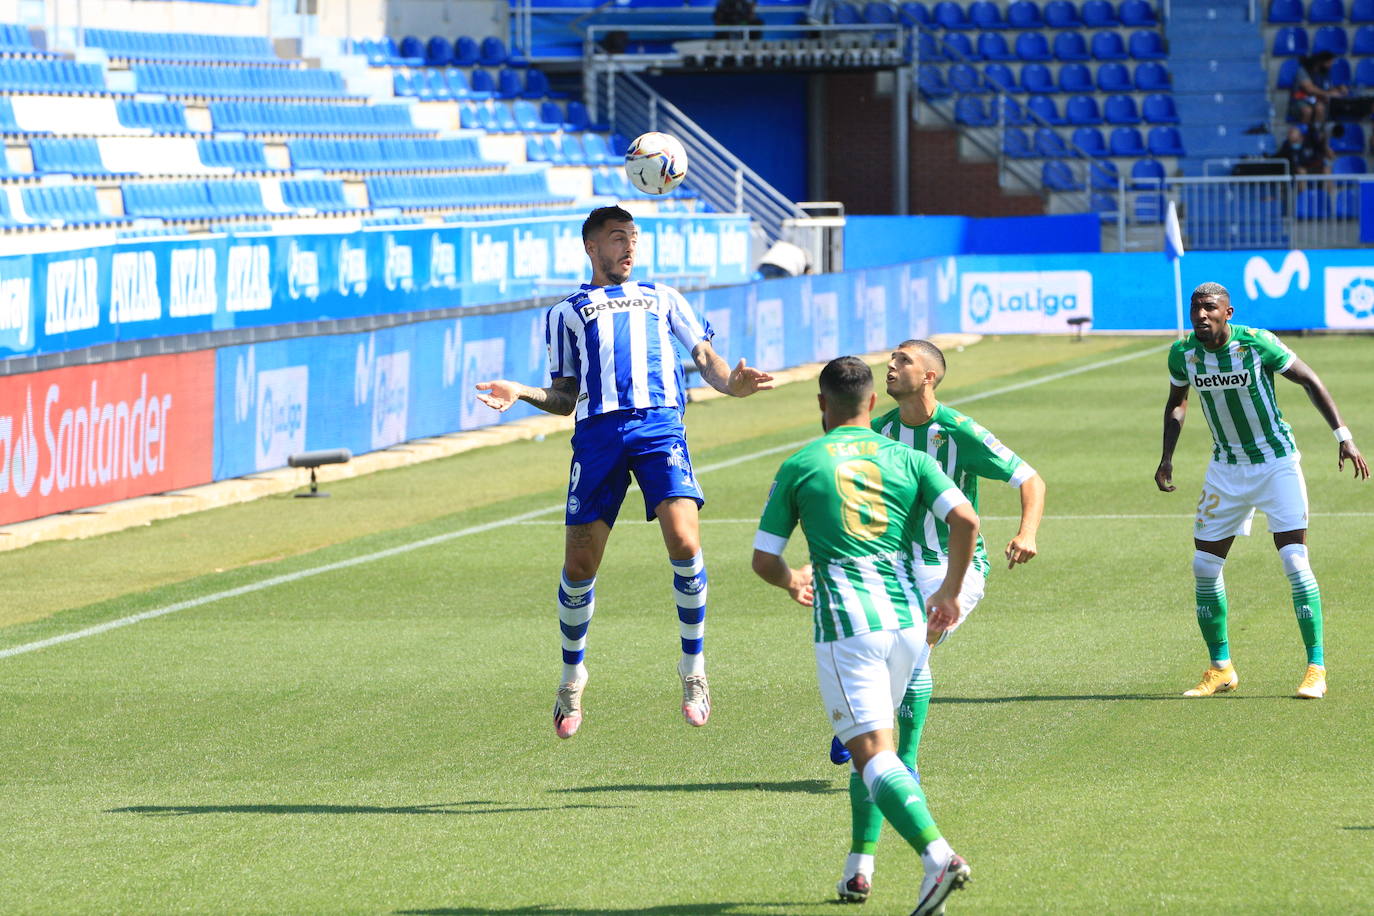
1057	176
915	13
1075	78
438	52
403	84
1351	139
1104	205
1284	11
1137	13
844	13
1349	165
465	53
1126	141
1099	14
1146	45
1048	143
1330	38
1288	71
1149	208
159	117
1108	46
1364	73
1070	46
483	87
1010	111
1113	77
508	84
956	46
971	111
492	52
597	148
527	118
1024	14
949	15
964	80
1120	109
1062	14
577	117
412	47
929	50
1032	46
574	153
1147	174
318	194
879	13
537	85
1340	72
932	82
1362	11
1326	11
1312	203
1159	109
1089	141
1348	203
1151	76
1363	46
63	204
992	46
1165	141
1015	145
72	156
985	15
1103	175
239	155
1290	41
1035	78
999	78
1044	108
1082	110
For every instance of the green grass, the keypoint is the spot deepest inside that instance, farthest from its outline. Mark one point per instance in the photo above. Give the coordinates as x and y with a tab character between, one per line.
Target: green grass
376	738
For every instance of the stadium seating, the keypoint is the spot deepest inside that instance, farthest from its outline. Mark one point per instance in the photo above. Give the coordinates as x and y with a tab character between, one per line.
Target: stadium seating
1165	141
1102	176
1082	110
194	46
1088	141
1099	14
1285	11
1024	14
1121	109
1290	42
1062	14
1057	176
1126	141
1044	108
985	15
1075	78
1326	11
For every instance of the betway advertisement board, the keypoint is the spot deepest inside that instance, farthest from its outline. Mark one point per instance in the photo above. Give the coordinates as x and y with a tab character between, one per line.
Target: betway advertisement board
86	435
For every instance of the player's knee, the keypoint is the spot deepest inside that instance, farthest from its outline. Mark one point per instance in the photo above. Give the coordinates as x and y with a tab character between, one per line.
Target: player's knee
1294	557
1207	565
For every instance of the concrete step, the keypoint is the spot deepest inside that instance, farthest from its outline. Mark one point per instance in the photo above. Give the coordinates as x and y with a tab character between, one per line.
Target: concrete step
1225	76
1223	140
1244	107
1211	13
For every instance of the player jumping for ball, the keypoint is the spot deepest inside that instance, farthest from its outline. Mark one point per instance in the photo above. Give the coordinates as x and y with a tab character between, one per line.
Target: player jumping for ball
1255	465
857	495
612	361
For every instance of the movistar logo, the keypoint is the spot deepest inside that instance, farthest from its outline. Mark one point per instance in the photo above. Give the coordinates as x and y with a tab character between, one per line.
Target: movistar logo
1222	380
1260	276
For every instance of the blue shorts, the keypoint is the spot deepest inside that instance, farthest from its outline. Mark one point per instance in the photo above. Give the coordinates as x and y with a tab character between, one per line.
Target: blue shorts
608	447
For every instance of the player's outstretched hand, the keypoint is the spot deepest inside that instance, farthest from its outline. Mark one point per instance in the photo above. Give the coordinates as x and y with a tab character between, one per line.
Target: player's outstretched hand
500	394
746	380
1164	476
1020	550
802	588
942	613
1348	450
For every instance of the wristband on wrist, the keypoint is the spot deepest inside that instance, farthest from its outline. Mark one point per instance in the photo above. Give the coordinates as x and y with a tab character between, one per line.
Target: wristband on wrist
1342	434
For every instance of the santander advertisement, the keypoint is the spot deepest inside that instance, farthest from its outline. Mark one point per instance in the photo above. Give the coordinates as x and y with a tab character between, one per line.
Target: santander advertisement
87	435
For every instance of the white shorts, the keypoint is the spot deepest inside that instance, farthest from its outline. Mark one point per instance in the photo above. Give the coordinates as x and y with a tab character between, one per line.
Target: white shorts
930	578
1232	492
863	677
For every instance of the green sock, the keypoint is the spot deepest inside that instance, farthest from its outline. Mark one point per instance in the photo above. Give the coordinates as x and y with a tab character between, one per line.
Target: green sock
865	821
1307	600
1210	591
901	800
911	716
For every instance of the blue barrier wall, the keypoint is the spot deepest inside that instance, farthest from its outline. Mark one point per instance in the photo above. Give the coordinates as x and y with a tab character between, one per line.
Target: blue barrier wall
58	301
872	241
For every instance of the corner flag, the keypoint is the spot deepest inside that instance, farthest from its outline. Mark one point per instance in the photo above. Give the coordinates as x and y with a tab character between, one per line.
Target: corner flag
1173	250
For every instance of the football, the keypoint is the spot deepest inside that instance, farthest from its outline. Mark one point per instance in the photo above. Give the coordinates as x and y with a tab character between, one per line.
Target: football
656	162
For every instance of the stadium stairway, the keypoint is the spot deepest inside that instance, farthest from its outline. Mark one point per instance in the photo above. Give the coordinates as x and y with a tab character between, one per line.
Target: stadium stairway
1220	90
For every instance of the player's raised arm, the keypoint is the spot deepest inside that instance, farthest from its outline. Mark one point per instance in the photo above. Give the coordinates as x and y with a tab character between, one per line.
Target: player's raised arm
943	607
1175	410
1301	373
1022	547
739	382
501	394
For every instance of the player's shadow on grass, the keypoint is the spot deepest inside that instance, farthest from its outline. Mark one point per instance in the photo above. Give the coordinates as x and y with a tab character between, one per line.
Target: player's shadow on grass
803	786
469	808
671	909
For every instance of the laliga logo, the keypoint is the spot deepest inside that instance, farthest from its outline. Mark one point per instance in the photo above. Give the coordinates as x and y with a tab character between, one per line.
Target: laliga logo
245	381
352	268
979	302
302	272
363	365
400	270
19	460
1275	284
1358	297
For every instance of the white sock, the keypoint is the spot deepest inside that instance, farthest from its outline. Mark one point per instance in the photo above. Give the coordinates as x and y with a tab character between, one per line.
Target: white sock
572	673
858	863
937	855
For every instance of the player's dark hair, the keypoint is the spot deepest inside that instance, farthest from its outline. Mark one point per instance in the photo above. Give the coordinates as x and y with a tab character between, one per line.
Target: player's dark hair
846	381
603	215
932	353
1210	289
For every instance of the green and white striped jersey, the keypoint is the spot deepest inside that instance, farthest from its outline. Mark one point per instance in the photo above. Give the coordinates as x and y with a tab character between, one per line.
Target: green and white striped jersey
1235	385
965	451
857	496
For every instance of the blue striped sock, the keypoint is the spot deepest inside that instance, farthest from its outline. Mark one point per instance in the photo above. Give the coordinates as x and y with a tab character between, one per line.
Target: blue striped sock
689	589
576	602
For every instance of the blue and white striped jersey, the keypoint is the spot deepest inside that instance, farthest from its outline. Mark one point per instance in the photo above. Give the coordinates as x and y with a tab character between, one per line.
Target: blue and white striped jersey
617	341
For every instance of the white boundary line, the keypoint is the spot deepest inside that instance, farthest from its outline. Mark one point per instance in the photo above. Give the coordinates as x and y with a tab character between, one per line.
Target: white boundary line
488	526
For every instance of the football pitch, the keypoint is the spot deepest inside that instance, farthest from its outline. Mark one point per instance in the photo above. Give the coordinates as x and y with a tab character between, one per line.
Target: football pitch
343	705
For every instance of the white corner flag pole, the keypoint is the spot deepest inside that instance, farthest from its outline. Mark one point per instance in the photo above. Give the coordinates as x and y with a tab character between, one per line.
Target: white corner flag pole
1173	249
